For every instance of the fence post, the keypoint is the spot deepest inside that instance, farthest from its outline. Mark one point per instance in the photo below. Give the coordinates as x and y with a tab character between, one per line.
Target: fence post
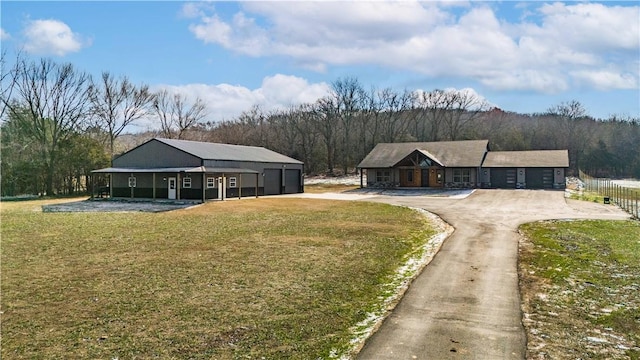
626	199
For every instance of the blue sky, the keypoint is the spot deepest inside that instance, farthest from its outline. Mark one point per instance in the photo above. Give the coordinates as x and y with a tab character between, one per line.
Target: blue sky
520	56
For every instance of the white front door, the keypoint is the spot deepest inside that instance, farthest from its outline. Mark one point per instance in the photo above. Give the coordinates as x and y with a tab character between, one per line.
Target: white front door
220	188
172	188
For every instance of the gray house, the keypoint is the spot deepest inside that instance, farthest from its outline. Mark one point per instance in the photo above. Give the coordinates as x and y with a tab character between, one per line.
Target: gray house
462	164
181	169
451	164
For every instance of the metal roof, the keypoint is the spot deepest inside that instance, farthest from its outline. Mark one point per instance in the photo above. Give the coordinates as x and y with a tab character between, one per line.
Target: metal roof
531	158
197	169
217	151
466	153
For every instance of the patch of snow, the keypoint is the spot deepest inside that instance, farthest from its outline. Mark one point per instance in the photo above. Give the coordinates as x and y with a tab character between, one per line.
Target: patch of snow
597	340
335	180
630	183
332	196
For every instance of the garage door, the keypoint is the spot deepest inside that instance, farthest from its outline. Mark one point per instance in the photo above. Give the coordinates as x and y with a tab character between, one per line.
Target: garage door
539	178
272	181
291	181
503	178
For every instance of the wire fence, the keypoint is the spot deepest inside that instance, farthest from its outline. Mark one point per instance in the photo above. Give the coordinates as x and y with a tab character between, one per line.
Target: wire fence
626	198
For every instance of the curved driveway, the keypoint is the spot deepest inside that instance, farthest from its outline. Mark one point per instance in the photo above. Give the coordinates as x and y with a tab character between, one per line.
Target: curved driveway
465	304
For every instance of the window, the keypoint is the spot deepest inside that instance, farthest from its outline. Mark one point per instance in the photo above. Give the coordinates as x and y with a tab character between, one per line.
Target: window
186	183
410	176
211	182
383	176
232	182
461	175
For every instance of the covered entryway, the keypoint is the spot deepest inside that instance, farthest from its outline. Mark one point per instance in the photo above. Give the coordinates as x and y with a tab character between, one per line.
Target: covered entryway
503	178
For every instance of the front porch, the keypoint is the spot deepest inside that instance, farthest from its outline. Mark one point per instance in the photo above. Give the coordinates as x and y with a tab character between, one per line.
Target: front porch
175	184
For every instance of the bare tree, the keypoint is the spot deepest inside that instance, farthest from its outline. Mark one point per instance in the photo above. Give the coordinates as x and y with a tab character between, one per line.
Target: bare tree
175	113
349	98
432	107
254	123
465	107
308	135
573	136
117	103
392	119
51	103
8	78
326	122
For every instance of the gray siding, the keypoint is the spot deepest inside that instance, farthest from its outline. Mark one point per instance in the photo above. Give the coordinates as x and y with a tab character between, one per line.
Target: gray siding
256	166
372	176
449	178
155	154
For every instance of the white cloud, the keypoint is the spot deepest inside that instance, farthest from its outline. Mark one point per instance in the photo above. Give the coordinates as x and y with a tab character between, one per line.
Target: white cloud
441	39
226	102
591	27
606	79
4	35
51	37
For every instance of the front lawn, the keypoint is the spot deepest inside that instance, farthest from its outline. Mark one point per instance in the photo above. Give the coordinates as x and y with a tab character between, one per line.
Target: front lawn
580	282
254	278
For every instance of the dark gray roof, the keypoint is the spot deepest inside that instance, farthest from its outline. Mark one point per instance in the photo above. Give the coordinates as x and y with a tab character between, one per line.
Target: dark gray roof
532	158
216	151
467	153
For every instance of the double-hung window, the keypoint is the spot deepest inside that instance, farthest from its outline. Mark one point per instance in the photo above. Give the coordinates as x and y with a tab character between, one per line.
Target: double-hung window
461	175
383	176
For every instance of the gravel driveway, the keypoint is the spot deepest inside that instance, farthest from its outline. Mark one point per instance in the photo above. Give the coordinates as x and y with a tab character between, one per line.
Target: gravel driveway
466	303
117	206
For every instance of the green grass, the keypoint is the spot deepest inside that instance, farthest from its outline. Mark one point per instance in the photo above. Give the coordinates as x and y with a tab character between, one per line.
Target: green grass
587	274
588	196
256	278
323	188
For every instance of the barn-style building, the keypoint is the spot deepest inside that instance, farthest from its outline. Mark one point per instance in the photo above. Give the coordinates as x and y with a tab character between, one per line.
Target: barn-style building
192	170
462	164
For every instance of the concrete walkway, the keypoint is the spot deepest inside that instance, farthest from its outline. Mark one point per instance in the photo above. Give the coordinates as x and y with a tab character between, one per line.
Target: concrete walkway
466	303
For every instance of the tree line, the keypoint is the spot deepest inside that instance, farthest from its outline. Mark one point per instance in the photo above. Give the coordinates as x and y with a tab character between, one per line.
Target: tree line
59	123
336	132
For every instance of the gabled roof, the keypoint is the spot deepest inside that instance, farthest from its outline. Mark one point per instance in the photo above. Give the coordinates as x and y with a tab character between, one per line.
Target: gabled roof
532	158
431	156
216	151
467	153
